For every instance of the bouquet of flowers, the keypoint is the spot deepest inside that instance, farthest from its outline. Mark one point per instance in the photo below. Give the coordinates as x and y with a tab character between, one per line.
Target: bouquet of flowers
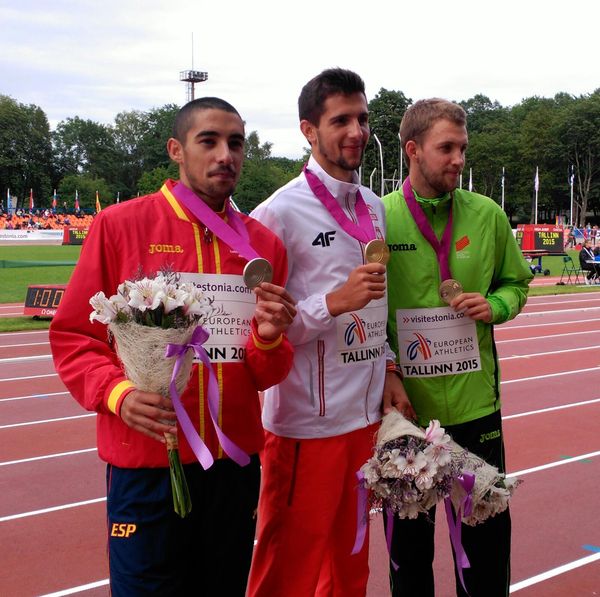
144	317
413	469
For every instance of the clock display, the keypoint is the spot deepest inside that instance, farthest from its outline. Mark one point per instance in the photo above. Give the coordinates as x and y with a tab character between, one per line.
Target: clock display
43	299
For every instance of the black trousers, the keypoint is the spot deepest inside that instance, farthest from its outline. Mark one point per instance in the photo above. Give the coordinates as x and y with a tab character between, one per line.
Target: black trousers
152	551
487	544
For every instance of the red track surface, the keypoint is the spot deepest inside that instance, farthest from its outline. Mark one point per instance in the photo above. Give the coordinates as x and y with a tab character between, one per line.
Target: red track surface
550	359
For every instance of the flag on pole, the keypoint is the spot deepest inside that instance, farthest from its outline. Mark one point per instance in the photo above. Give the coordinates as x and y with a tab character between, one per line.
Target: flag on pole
470	179
8	201
76	200
30	199
98	206
54	200
502	179
536	180
572	176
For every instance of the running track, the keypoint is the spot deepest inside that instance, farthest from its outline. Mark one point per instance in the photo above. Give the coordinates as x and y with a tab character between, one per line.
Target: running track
52	499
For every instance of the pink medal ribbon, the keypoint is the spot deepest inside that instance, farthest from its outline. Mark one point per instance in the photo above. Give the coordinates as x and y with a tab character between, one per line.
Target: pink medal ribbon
363	231
465	508
233	232
441	248
205	458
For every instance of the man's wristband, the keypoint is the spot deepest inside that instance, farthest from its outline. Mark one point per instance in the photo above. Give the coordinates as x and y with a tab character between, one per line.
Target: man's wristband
394	368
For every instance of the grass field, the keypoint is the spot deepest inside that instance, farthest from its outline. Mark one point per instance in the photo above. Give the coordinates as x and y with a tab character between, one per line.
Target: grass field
15	280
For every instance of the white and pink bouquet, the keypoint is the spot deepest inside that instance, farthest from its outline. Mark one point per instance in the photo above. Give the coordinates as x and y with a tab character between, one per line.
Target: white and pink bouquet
145	317
412	469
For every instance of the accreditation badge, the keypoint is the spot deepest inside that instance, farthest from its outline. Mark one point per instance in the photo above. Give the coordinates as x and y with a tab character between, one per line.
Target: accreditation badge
361	334
229	327
434	342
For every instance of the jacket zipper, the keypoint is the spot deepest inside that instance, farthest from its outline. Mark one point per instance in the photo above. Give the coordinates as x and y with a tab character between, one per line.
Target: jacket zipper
321	374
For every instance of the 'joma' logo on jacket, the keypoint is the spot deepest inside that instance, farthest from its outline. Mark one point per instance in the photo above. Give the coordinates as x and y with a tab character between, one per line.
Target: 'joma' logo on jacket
324	239
403	247
152	248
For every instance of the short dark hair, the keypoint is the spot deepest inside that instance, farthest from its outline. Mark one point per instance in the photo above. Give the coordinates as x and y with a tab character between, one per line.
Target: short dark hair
183	118
333	81
422	115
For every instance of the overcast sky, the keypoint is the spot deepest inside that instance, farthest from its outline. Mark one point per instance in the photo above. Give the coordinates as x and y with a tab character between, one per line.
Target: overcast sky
96	58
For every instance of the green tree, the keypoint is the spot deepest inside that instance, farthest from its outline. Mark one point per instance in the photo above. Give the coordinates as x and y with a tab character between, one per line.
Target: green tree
261	174
153	143
86	147
385	113
151	181
579	134
129	131
86	187
25	152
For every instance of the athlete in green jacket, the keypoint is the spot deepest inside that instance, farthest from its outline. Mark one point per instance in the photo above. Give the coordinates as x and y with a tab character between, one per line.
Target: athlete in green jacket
484	258
455	270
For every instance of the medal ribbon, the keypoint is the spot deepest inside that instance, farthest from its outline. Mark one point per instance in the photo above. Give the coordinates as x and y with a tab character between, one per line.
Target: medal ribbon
441	248
233	232
199	448
363	231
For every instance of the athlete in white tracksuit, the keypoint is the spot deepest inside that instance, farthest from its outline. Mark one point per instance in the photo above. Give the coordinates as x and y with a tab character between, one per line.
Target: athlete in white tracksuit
320	419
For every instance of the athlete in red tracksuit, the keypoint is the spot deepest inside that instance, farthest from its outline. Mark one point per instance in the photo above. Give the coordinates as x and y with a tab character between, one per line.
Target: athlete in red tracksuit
210	549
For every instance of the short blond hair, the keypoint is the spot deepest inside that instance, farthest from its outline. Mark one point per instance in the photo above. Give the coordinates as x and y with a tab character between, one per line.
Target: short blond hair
422	115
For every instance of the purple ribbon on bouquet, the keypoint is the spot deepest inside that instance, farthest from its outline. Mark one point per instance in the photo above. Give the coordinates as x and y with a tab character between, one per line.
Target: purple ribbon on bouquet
362	494
389	531
467	481
205	458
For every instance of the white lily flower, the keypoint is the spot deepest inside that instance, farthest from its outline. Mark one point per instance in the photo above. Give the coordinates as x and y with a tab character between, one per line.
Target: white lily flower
173	298
145	294
104	311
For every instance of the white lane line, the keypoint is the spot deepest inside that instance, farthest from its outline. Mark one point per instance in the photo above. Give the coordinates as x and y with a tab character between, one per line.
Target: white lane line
560	311
583	300
548	336
52	509
38	396
543	467
507	326
29	377
541	411
48	456
542	354
37	357
79	589
554	572
47	421
550	375
25	344
6	334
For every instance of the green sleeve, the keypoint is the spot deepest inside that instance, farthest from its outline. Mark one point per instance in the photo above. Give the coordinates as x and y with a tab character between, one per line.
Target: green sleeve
512	275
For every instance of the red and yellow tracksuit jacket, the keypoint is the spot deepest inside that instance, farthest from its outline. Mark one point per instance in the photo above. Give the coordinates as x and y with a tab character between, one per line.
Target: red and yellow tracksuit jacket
148	234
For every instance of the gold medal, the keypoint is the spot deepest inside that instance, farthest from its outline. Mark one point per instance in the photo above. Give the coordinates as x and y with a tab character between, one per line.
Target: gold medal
449	289
256	271
377	251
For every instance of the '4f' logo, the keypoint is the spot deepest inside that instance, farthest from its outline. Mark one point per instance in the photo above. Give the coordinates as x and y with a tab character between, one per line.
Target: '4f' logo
324	239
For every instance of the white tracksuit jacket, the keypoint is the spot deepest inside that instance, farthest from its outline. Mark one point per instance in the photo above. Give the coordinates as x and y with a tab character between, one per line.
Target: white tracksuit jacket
336	382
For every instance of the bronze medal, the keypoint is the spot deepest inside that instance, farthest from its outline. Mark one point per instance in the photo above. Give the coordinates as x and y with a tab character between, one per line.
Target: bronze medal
377	251
449	289
256	271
